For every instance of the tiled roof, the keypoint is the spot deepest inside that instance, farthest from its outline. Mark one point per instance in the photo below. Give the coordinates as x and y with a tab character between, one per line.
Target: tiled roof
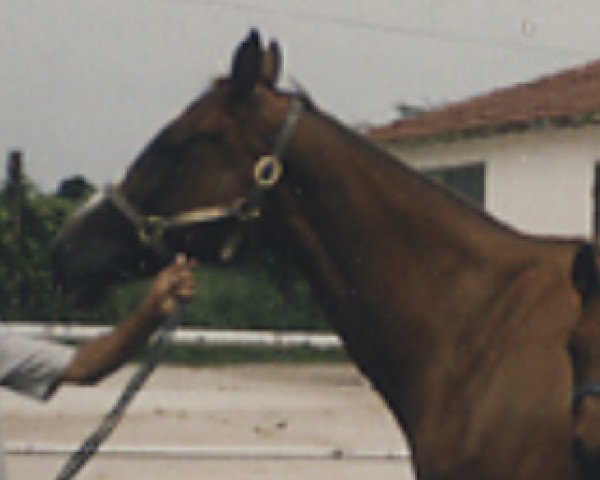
566	98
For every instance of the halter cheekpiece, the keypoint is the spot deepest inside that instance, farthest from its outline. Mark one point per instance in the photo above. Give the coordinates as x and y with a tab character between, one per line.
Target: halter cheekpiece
268	169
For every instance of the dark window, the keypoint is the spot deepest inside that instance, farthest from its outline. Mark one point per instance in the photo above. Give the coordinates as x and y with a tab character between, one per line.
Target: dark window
467	180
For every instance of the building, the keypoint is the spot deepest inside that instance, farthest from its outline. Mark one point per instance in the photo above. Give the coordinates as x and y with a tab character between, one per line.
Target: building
529	154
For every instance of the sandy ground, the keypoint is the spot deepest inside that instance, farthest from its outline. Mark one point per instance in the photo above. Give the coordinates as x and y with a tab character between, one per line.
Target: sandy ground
266	407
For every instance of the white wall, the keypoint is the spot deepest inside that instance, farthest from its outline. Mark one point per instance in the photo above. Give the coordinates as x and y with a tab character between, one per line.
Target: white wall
539	181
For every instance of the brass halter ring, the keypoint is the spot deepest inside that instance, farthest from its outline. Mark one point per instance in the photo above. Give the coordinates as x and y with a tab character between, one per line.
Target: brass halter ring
268	171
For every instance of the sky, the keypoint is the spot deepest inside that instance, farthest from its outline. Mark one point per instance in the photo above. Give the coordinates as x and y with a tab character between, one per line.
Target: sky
85	84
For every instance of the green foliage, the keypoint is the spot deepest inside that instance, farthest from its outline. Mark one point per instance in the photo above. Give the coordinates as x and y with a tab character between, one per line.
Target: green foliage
264	294
235	355
247	297
28	222
254	297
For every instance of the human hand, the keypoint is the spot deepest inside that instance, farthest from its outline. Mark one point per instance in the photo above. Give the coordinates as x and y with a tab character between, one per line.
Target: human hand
175	283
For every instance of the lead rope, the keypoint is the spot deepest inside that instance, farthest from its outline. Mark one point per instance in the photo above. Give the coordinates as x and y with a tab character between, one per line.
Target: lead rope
92	443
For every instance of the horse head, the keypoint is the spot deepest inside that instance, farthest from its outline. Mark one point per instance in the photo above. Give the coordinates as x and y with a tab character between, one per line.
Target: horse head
198	186
584	349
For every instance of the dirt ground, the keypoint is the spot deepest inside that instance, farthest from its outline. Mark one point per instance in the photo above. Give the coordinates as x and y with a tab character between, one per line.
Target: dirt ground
265	407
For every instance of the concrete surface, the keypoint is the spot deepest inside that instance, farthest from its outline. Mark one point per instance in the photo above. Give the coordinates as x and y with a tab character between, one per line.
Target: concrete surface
265	407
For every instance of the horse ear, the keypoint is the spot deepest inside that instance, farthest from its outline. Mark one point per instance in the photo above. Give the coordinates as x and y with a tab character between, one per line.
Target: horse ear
271	64
585	273
245	69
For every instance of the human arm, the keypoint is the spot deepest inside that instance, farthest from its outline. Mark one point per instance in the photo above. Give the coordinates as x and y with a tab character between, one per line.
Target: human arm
96	359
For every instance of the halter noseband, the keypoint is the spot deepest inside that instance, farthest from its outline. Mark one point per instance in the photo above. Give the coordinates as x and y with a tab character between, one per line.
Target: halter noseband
268	169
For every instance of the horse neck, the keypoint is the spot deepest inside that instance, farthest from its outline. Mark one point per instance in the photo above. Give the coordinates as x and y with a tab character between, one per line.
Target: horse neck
368	214
390	254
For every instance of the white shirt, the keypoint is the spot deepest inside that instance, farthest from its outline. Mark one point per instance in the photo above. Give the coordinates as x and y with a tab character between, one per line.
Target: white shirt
31	367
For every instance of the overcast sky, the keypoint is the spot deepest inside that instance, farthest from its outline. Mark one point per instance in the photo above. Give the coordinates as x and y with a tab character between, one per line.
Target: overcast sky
84	84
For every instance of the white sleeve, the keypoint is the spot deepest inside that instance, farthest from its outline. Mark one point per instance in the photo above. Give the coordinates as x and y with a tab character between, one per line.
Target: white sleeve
31	366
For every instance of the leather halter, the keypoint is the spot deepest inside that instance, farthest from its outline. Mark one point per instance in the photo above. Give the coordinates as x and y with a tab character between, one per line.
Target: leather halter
268	169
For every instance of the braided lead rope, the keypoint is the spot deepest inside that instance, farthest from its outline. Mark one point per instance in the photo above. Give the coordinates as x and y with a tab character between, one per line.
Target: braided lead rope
92	443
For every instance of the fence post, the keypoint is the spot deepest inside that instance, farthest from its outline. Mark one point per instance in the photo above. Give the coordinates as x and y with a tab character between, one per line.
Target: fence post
15	197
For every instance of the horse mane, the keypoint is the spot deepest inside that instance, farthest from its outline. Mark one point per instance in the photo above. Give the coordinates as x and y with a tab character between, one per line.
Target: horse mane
374	150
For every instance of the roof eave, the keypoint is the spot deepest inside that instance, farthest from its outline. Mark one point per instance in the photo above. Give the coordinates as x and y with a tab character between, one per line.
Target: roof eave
484	131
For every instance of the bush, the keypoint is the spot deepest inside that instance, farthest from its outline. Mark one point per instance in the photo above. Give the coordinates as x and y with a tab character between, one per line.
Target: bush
248	297
253	297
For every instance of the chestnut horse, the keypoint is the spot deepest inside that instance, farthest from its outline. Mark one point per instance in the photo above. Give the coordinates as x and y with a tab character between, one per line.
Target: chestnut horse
584	347
459	322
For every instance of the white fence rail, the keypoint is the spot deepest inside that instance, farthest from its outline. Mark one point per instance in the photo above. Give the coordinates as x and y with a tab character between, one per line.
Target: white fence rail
214	452
188	336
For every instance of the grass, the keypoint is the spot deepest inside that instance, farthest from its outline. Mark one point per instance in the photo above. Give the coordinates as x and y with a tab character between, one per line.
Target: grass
210	356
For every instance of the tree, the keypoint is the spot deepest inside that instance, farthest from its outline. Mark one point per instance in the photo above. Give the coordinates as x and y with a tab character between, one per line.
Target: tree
75	188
